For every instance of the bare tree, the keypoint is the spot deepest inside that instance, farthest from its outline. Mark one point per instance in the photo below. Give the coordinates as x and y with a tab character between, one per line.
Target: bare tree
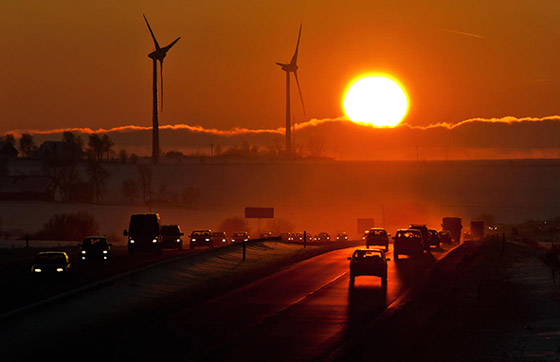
123	155
98	176
8	137
189	196
234	224
278	226
68	136
130	191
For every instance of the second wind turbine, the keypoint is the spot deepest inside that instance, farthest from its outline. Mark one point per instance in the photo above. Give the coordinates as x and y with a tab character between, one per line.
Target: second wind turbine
291	67
157	55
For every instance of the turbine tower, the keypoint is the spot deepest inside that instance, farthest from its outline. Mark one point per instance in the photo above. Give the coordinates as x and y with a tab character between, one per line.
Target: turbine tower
157	55
291	67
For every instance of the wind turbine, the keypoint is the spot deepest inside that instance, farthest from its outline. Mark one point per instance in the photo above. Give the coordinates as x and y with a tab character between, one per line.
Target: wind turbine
157	55
291	67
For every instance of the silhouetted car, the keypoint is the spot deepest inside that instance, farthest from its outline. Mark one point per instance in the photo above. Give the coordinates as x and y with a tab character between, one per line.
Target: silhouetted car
201	238
377	236
434	237
369	262
51	263
95	248
445	236
323	237
425	234
297	237
342	236
266	235
240	237
171	237
219	237
408	242
144	233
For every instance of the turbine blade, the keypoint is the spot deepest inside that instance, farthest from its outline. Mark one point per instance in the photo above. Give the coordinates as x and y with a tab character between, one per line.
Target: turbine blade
151	32
161	82
300	96
294	58
170	45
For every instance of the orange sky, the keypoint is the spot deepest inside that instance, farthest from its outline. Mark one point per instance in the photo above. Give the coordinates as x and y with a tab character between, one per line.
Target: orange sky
69	63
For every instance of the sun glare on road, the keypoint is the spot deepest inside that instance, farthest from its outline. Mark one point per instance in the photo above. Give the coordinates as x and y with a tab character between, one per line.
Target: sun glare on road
375	100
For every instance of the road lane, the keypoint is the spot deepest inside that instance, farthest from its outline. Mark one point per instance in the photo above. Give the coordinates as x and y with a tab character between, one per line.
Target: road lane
299	313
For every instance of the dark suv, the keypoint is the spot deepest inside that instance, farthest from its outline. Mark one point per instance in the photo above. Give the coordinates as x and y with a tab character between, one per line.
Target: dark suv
369	262
377	236
425	234
408	242
171	237
95	248
434	237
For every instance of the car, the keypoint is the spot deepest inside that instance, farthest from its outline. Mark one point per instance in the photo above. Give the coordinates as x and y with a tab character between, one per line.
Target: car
51	263
377	236
408	242
369	262
201	238
171	237
95	248
445	236
240	236
425	234
297	237
144	233
285	236
266	235
342	236
219	237
323	236
434	237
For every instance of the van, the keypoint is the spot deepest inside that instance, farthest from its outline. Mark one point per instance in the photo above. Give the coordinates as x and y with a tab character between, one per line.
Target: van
144	233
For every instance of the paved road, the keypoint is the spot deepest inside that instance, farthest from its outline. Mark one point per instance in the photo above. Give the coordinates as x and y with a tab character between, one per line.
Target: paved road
301	313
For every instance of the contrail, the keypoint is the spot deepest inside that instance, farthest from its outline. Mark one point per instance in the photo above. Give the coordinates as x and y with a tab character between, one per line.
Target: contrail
465	33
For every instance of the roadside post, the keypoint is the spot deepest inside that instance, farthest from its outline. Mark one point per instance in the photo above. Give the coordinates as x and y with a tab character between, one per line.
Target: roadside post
304	239
244	249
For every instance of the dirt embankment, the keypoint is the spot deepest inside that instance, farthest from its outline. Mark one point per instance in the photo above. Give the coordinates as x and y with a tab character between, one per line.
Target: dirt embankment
484	302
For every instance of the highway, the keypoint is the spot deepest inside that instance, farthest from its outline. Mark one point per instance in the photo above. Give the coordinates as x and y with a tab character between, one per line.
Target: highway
303	312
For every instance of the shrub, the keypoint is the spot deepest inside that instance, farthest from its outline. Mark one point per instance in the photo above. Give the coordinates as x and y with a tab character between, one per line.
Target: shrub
68	227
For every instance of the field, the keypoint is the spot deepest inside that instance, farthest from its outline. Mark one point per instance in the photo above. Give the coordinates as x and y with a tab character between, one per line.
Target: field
316	195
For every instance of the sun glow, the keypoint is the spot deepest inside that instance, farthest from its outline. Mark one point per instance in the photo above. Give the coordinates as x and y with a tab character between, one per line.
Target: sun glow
375	100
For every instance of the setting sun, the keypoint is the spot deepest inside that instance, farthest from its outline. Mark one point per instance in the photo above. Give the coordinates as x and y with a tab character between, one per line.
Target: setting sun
375	100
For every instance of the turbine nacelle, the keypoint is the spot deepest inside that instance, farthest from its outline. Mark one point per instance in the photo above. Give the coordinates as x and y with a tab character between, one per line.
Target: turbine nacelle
288	67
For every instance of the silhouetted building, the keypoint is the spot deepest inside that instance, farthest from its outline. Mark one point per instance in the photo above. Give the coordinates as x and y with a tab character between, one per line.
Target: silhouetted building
7	151
60	152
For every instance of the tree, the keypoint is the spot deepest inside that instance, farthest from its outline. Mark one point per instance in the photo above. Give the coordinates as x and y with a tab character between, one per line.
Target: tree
278	226
68	136
189	196
106	146
68	227
98	176
234	224
123	156
130	191
27	145
8	137
95	150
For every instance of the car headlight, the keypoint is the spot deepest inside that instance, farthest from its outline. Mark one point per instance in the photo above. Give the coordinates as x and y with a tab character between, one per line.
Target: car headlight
104	251
154	241
224	240
131	241
246	239
83	251
207	239
59	269
37	270
193	239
